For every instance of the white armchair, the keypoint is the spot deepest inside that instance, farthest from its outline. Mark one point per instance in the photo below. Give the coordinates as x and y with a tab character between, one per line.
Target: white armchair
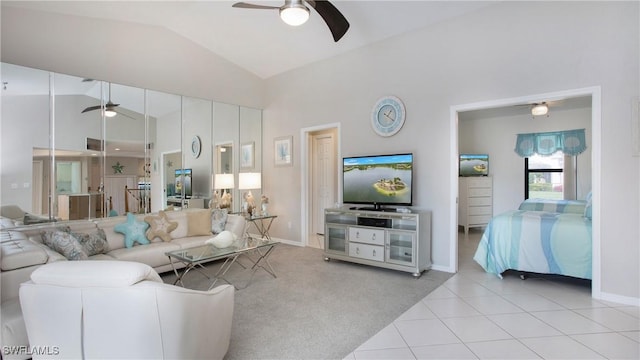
122	310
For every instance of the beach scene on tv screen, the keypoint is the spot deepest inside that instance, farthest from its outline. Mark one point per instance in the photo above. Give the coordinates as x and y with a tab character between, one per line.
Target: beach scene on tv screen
378	179
474	165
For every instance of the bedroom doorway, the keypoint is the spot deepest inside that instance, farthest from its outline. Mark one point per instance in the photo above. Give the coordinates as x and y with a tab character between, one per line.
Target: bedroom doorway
594	96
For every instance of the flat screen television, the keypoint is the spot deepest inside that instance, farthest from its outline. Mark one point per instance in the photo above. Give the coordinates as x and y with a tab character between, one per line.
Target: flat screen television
183	183
378	181
474	165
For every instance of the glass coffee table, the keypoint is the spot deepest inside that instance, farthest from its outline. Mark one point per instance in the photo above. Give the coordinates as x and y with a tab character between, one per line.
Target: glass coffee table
195	257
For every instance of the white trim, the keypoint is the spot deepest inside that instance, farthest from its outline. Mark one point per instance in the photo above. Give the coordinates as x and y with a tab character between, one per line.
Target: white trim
596	125
304	179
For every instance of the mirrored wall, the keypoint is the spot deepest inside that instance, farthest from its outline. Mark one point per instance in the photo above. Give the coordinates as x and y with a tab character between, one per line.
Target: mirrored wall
78	148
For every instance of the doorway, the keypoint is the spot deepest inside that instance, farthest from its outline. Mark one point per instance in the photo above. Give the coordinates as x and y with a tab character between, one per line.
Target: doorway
595	94
320	149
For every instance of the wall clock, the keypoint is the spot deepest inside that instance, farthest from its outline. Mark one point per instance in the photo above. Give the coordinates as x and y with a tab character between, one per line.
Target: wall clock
196	146
387	116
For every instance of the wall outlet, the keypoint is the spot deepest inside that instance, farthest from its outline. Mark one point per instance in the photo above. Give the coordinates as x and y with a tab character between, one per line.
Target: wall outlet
25	185
14	186
289	225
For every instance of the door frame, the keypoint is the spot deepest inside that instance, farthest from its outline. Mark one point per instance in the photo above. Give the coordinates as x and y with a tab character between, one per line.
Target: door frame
305	138
596	144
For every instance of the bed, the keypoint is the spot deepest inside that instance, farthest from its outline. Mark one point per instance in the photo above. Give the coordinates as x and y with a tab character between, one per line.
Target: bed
557	206
533	241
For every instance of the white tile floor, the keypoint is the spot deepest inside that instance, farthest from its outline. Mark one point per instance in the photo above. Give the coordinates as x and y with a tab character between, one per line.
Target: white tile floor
475	315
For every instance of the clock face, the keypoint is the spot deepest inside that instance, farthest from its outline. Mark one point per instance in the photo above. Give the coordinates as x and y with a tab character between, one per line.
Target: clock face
387	116
195	147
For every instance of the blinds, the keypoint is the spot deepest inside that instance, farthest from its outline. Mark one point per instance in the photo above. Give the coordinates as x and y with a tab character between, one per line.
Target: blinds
570	142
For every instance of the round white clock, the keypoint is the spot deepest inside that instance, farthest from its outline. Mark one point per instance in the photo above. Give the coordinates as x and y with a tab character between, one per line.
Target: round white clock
388	116
196	146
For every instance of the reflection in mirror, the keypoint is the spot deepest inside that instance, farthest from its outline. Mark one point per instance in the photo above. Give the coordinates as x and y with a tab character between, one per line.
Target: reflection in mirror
196	131
224	158
165	119
126	182
25	169
71	151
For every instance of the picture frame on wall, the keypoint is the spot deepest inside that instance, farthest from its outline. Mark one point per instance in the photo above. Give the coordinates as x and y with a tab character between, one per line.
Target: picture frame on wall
283	151
247	155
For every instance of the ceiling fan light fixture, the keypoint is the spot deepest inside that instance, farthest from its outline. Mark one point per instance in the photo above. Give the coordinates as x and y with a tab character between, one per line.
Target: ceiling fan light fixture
294	14
539	109
110	113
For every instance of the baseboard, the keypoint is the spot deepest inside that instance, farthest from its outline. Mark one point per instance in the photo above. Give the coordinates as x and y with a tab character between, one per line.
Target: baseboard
620	299
447	269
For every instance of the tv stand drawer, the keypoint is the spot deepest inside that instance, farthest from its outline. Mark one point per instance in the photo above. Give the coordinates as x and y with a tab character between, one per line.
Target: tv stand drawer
365	235
365	251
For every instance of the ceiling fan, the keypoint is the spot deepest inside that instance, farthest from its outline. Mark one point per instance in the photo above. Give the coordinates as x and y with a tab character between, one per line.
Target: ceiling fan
294	12
109	107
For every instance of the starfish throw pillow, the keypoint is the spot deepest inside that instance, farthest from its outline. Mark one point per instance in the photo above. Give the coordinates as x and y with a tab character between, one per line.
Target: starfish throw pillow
133	230
160	226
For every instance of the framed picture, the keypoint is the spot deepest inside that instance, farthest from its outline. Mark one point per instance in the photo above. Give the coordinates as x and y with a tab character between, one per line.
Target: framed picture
283	151
246	155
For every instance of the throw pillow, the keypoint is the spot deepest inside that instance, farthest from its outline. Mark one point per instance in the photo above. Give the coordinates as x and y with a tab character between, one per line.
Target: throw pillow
198	223
218	220
160	226
222	240
93	243
133	230
64	243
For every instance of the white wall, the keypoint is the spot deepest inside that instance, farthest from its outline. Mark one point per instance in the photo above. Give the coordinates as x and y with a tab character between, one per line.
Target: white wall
508	50
496	136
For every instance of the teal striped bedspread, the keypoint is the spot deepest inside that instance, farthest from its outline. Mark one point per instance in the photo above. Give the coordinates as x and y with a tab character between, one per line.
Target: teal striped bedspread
538	242
559	206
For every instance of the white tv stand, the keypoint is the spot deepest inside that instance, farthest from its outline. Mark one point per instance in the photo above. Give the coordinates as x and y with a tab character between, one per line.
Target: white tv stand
393	240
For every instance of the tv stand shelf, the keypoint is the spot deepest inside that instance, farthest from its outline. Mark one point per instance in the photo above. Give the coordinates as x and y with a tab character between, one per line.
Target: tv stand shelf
393	240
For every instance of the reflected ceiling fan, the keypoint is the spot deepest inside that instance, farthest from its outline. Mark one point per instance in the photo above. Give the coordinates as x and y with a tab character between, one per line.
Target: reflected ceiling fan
109	107
294	13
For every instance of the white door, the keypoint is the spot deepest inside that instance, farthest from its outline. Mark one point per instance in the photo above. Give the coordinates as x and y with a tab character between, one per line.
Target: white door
323	179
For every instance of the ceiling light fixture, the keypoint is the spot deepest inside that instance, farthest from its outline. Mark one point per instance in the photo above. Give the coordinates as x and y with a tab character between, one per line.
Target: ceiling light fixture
294	13
539	109
110	112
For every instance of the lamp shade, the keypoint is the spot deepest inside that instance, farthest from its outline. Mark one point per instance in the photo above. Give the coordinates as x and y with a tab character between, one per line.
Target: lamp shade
224	181
294	14
247	181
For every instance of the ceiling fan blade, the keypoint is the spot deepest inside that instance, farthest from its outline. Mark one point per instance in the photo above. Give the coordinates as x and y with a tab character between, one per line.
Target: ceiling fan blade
245	5
91	108
337	23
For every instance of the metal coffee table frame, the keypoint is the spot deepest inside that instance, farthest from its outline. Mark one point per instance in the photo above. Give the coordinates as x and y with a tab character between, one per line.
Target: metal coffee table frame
193	258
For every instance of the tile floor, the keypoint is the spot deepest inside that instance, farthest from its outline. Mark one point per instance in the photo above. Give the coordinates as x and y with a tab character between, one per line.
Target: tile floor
475	315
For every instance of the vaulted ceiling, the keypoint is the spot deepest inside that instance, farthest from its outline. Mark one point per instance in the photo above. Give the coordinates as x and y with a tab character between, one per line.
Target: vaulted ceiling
257	40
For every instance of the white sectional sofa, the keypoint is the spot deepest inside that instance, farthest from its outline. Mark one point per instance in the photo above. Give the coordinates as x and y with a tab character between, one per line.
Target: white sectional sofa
23	251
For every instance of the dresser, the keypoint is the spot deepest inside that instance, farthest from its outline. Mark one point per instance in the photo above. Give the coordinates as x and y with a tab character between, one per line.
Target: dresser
475	201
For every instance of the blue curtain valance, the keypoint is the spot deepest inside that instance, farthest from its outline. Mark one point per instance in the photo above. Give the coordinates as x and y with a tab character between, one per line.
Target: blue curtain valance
570	142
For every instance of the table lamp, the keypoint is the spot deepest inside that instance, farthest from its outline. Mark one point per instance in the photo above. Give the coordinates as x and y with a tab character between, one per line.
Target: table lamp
249	181
224	182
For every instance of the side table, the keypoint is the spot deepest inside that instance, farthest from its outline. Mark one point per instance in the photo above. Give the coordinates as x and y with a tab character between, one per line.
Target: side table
262	223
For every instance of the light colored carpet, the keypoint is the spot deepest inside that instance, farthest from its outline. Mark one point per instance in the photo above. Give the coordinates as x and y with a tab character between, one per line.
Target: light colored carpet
314	309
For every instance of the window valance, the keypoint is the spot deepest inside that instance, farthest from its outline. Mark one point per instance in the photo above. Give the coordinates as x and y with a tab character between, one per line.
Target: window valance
570	142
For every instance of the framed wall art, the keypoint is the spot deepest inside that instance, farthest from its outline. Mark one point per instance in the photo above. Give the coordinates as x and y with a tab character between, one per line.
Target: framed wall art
247	155
283	151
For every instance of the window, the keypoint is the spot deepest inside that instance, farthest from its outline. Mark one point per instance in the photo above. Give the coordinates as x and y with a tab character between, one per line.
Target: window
545	176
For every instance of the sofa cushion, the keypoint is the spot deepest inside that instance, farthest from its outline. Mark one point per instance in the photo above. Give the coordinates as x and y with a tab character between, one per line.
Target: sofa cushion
133	230
153	254
93	243
160	226
181	218
222	240
21	253
218	220
64	243
106	273
198	223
